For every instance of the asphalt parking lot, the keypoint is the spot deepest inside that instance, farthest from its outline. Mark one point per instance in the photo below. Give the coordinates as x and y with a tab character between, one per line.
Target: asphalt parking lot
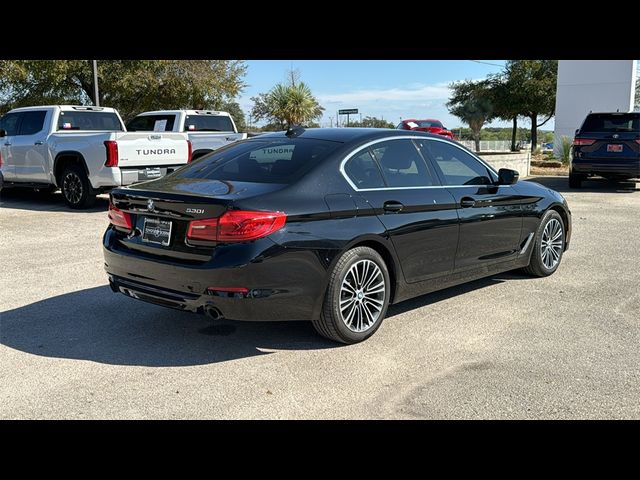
506	347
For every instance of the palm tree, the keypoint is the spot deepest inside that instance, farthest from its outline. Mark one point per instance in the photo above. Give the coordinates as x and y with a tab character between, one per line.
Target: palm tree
471	102
288	104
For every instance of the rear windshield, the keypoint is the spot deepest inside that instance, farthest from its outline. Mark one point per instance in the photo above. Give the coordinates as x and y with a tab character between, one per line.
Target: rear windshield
152	123
208	123
276	161
612	122
88	120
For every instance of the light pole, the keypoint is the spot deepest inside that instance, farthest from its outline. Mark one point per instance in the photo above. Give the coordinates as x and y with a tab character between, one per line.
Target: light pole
330	122
96	102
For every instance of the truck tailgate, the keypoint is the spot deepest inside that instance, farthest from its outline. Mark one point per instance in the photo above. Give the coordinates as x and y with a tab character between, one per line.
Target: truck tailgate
151	149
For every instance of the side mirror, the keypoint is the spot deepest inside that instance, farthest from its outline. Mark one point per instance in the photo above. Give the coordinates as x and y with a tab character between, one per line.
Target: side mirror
506	176
3	133
577	131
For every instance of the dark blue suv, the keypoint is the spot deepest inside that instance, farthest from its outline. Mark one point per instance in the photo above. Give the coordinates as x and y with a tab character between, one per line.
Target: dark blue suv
607	144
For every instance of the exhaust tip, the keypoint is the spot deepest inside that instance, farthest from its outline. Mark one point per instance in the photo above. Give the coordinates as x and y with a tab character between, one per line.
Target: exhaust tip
213	313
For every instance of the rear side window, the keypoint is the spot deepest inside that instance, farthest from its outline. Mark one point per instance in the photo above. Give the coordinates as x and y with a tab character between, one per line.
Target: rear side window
32	122
9	123
401	164
152	123
207	123
279	161
363	171
88	120
611	122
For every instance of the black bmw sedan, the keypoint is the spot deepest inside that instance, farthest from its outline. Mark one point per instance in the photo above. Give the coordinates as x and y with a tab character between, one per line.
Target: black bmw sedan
327	225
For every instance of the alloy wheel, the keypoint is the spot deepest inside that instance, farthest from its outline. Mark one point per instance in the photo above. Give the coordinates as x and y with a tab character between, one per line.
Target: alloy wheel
72	187
551	244
362	296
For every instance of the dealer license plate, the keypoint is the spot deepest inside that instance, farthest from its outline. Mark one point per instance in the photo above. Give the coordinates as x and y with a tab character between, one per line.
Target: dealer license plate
612	147
157	230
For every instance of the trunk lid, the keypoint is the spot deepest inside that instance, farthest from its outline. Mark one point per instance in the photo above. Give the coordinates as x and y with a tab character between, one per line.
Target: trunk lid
162	209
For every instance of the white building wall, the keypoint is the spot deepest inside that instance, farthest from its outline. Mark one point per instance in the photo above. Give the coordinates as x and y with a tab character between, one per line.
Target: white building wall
591	85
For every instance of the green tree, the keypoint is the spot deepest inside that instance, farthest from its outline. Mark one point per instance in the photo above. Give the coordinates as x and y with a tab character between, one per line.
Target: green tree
372	122
471	102
131	86
533	90
287	104
504	99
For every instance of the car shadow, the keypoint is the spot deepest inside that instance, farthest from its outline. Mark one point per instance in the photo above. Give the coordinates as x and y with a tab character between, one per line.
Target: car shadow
29	199
97	325
440	295
561	184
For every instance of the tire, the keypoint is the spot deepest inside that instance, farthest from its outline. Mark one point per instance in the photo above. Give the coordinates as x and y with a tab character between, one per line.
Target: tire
76	189
541	265
363	312
575	181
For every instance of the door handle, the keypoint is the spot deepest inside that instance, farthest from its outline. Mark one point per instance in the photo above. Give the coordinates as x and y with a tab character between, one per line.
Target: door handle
393	206
39	142
7	144
466	202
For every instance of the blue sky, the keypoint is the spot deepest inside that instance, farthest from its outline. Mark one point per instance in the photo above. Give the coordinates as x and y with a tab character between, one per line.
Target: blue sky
380	88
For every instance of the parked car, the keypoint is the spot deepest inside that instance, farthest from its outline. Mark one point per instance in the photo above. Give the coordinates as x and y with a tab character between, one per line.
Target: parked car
607	144
327	225
208	130
428	125
82	150
547	146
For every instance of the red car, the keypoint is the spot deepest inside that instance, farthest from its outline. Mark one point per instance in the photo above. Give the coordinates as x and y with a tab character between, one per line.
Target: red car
429	125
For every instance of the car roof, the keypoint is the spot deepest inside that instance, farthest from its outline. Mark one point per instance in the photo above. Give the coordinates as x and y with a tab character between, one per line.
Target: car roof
65	108
349	134
218	113
615	113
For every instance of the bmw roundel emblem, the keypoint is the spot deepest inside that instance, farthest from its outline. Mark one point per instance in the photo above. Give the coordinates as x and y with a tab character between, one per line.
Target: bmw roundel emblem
150	206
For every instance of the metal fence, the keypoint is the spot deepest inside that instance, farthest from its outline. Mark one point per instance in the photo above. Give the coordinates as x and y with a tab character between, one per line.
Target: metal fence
488	145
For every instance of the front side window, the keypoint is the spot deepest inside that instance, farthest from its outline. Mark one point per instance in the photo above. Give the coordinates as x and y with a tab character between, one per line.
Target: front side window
401	164
9	123
457	167
32	122
363	171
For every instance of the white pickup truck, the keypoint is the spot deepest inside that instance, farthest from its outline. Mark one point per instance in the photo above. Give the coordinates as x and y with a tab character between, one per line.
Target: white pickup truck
208	130
83	151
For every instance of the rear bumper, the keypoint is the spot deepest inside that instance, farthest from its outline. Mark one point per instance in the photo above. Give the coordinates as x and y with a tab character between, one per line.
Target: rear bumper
619	168
283	284
110	177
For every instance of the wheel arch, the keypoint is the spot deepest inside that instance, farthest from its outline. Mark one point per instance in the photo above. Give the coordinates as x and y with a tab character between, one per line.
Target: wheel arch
385	249
65	158
565	220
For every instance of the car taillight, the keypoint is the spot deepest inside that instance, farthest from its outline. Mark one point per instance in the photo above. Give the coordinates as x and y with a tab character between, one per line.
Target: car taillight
236	226
119	218
206	229
112	153
637	141
579	142
189	151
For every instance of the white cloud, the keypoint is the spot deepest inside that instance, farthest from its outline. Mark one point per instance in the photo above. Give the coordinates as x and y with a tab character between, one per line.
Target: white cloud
415	93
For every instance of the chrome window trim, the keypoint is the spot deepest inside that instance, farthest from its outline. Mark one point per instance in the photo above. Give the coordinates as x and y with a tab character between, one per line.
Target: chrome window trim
396	137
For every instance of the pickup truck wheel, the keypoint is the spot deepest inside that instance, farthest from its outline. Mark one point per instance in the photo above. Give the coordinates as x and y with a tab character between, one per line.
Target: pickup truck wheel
76	189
